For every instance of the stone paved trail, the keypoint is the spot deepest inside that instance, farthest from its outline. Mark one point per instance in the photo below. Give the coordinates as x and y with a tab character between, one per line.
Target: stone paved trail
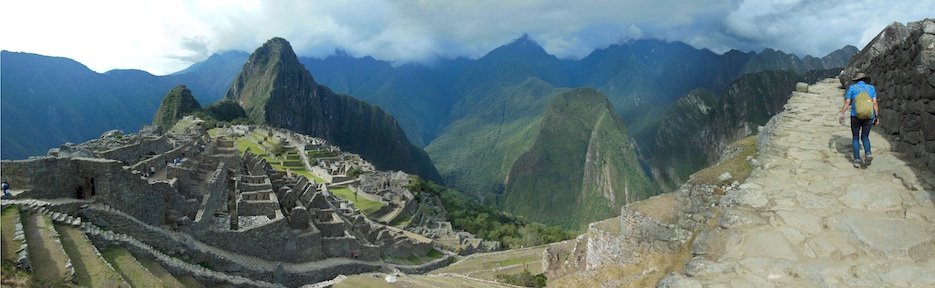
810	219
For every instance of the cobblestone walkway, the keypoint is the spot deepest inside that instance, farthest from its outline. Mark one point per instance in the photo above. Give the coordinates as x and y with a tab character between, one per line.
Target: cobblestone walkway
808	218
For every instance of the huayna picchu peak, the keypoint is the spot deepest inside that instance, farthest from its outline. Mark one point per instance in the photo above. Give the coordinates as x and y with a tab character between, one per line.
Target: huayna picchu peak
275	89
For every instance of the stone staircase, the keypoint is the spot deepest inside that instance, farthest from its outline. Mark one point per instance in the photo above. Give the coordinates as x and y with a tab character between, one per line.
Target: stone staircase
808	218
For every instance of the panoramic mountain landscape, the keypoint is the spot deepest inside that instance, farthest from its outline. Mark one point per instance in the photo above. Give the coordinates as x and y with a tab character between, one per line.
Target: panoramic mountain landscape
438	145
475	118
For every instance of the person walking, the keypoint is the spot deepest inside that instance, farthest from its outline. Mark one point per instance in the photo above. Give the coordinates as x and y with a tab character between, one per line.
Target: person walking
863	115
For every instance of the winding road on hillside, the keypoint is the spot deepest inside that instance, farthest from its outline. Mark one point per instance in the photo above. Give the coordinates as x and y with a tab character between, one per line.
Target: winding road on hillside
808	218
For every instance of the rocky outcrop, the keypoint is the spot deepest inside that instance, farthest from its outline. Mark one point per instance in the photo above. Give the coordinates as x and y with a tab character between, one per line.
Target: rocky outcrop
901	64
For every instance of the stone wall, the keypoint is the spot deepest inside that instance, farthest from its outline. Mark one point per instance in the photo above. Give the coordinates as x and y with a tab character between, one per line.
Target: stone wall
638	237
274	241
901	64
344	246
133	153
214	196
103	179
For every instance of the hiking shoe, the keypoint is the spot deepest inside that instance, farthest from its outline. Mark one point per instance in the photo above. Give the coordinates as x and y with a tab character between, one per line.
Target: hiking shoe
856	163
869	158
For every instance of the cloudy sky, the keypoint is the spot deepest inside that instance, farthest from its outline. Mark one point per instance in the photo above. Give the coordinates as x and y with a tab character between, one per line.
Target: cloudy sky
162	37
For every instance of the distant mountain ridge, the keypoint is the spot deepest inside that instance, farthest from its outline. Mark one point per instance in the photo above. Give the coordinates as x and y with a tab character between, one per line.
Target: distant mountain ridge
275	89
420	96
48	101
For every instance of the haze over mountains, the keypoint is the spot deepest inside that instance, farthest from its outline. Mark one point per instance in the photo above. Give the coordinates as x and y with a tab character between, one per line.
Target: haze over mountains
477	119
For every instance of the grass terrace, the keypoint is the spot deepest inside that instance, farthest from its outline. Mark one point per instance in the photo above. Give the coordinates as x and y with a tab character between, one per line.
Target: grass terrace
295	164
10	275
504	262
366	206
132	271
412	260
319	153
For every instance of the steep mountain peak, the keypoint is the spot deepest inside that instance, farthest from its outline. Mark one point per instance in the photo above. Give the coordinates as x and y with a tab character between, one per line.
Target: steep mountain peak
274	88
271	68
522	46
177	103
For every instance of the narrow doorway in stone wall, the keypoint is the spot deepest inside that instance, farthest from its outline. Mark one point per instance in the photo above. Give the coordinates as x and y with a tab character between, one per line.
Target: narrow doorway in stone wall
89	190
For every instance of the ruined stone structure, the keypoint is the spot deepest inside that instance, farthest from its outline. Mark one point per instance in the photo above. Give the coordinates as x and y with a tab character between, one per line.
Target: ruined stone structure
901	64
196	197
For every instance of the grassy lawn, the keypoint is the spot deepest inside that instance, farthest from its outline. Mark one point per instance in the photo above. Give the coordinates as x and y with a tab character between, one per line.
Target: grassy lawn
244	144
131	270
365	206
738	166
90	269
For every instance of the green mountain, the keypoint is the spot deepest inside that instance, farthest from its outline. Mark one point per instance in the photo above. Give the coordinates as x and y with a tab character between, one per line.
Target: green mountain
581	167
274	88
477	151
177	103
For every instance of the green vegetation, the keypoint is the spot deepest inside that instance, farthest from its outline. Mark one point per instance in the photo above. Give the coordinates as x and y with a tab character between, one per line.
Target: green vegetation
277	149
226	110
402	221
581	167
131	270
90	269
366	206
319	153
10	275
476	152
524	279
486	222
354	172
176	104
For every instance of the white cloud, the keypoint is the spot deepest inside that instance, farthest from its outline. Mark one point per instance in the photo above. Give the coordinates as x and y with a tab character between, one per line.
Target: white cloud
166	36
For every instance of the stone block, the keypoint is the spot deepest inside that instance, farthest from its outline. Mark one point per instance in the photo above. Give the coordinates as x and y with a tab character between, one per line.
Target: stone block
801	87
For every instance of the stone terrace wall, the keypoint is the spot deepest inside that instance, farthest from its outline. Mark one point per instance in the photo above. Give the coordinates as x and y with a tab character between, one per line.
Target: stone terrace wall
901	64
133	153
274	241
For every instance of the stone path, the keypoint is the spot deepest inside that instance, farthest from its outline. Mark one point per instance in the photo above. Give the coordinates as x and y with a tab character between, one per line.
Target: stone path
808	218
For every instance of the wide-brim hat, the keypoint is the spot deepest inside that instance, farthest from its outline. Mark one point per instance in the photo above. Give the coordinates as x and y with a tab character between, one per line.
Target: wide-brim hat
860	76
